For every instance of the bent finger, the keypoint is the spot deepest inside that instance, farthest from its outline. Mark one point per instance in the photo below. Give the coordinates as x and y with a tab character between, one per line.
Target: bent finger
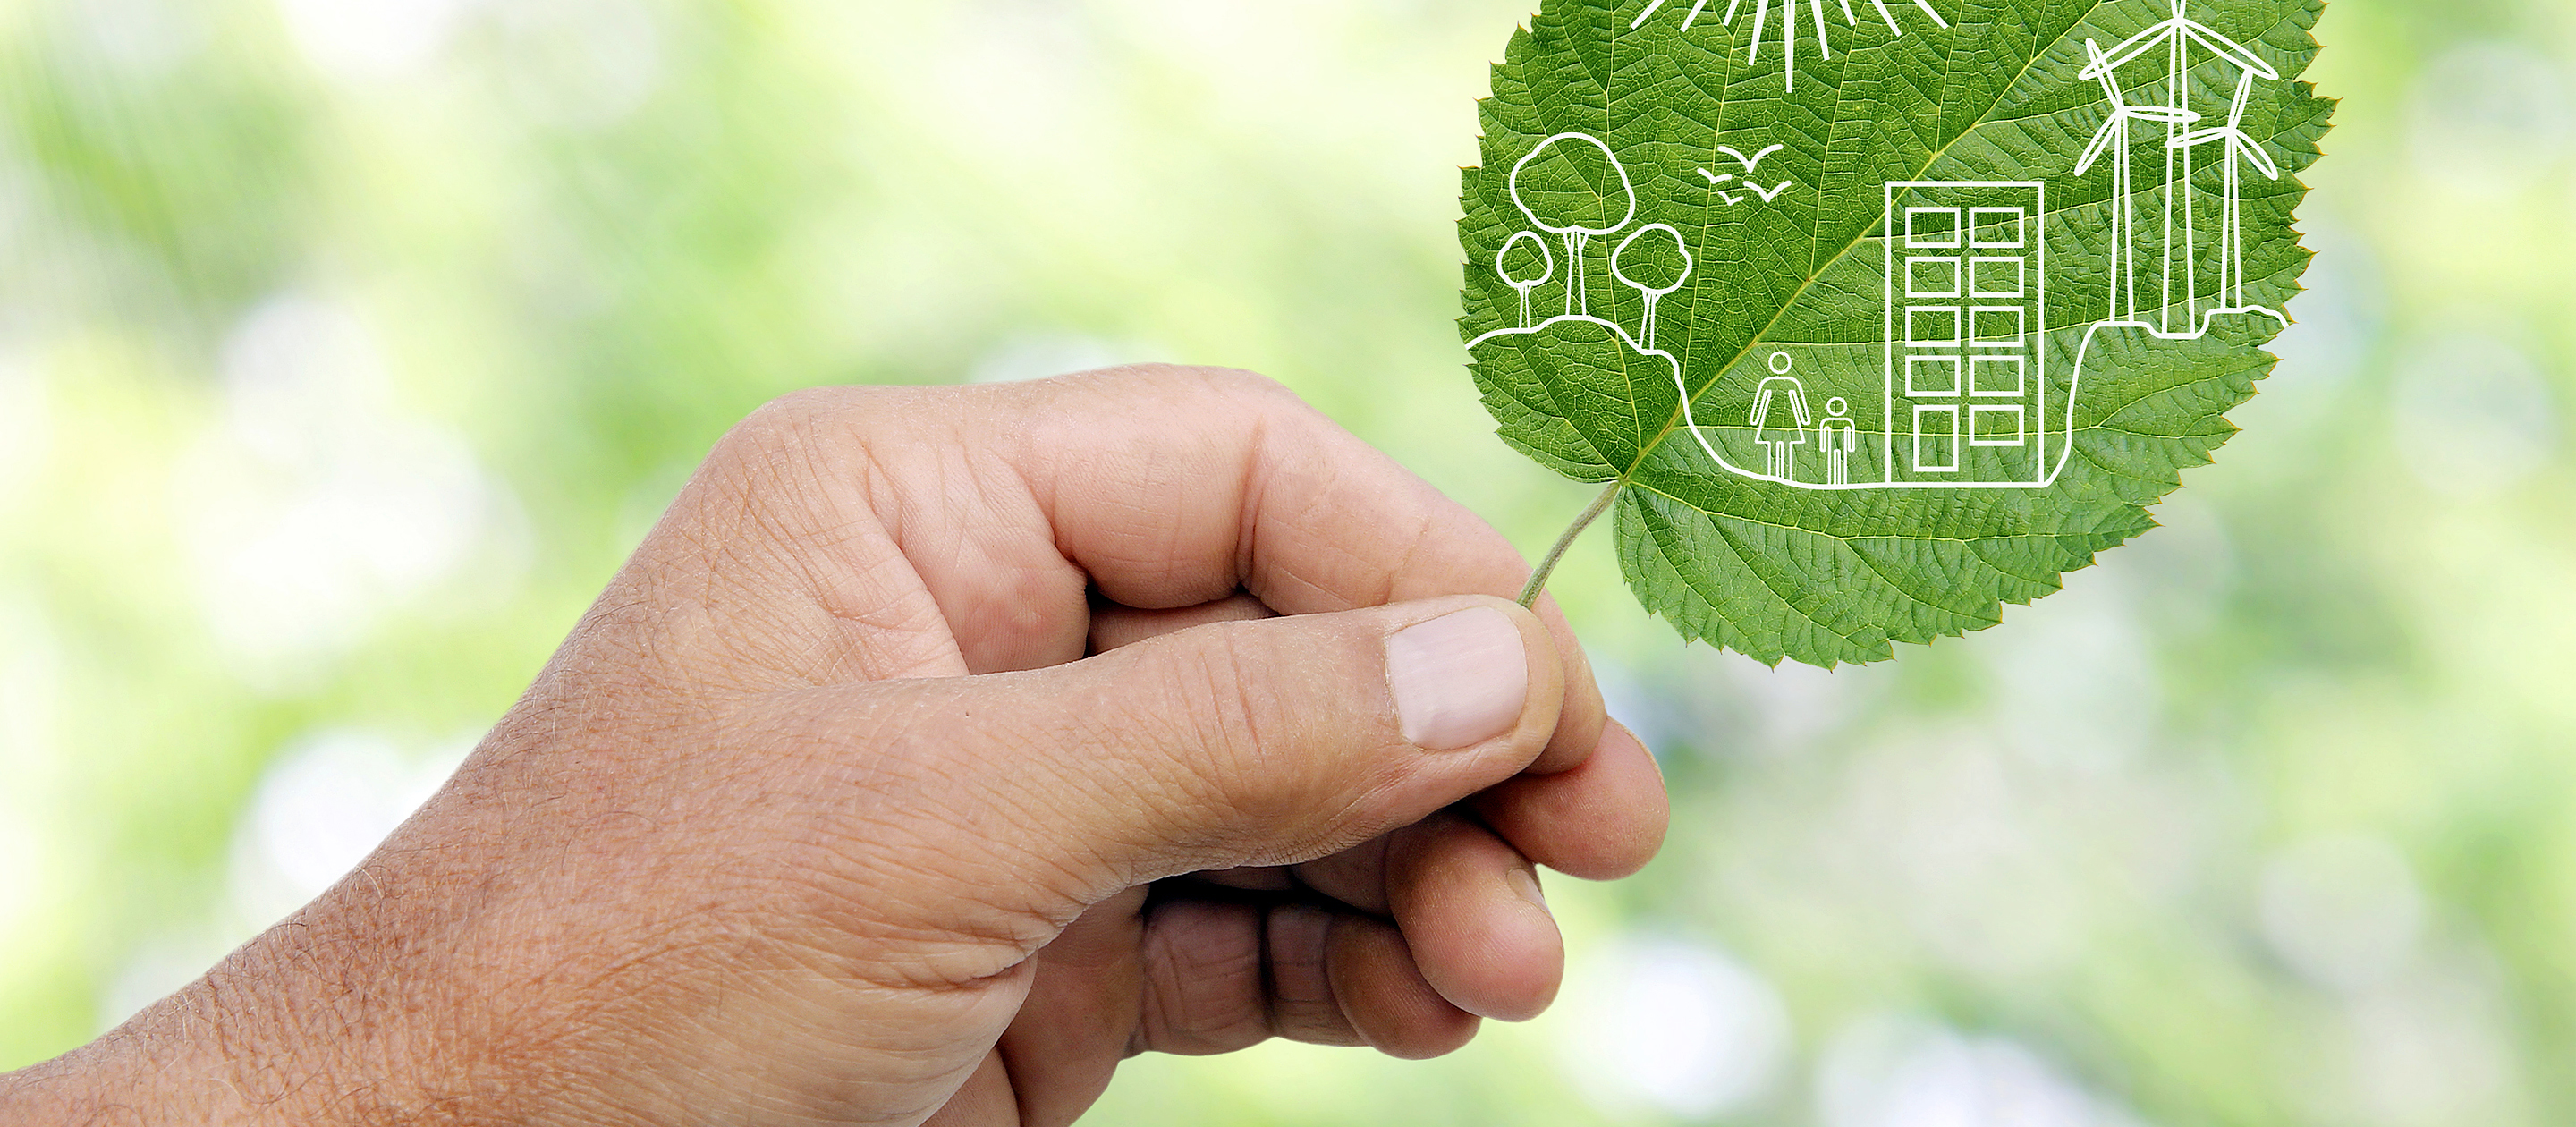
1601	820
1471	910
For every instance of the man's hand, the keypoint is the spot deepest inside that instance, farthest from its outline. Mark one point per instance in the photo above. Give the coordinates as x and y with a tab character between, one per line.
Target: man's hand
939	749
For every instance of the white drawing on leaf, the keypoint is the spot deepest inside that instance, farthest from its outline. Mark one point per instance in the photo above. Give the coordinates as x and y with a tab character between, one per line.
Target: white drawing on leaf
1547	268
1838	438
1976	407
2113	140
1652	294
1575	233
1788	25
1776	435
2180	315
1716	180
2241	149
1751	164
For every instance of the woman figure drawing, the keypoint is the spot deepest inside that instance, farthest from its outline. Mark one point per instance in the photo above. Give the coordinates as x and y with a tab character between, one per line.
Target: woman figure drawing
1781	427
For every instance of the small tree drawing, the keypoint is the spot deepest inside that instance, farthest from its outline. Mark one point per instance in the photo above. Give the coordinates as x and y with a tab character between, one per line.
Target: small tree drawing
1656	268
1572	186
1526	279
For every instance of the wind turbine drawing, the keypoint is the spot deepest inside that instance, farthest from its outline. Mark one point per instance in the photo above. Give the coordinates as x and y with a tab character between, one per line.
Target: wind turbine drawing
2241	149
1788	28
2113	139
2177	35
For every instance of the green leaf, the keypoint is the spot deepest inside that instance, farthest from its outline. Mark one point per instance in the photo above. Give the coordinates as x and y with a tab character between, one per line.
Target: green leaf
1842	303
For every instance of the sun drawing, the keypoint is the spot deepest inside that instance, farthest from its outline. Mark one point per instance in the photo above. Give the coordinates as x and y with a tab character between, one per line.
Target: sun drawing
1787	24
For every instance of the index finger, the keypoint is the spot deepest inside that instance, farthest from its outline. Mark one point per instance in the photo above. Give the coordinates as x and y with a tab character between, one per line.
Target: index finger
1172	487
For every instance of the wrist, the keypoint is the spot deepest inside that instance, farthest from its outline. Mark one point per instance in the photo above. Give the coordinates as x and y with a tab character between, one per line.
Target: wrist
264	1038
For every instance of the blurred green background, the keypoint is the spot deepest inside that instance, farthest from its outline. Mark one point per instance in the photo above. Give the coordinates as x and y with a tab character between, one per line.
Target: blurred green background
347	345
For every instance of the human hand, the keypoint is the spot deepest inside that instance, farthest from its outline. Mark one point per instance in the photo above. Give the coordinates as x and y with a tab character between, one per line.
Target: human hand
936	751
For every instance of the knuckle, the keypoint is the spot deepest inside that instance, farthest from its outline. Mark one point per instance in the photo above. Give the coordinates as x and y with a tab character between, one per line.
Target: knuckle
1235	387
785	425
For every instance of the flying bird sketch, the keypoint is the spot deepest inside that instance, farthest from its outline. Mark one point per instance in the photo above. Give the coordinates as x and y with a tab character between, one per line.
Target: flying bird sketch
1717	180
1752	163
1788	24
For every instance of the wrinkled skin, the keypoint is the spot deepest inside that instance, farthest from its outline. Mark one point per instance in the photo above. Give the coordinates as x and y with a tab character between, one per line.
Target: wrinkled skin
938	750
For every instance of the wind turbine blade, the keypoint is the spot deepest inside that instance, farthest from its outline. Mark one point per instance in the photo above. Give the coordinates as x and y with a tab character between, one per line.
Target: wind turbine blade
2110	81
2133	47
2222	45
2256	156
1693	17
1731	6
1890	17
2101	142
1848	18
1936	16
1761	13
1642	16
1823	48
2244	94
1789	43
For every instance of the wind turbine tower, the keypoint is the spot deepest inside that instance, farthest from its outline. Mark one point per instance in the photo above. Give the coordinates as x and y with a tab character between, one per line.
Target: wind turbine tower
2113	141
2180	313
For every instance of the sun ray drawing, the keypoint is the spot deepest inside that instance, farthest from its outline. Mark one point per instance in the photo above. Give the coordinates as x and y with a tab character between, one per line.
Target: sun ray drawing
1785	26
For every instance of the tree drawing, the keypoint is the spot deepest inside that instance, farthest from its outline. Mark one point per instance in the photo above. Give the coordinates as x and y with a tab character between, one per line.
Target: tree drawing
1572	186
1525	264
1654	261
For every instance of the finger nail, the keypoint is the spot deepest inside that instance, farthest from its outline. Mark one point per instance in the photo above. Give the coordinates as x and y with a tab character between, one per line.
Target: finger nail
1525	882
1459	679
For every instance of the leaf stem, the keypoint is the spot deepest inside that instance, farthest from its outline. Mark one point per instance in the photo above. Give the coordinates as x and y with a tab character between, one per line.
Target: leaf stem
1547	566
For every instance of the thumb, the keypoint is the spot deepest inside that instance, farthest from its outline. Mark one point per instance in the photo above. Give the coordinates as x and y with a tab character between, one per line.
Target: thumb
1237	743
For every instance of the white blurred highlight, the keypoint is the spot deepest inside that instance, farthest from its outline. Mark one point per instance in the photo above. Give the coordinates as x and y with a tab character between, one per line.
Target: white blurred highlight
323	805
373	40
319	505
1904	1072
580	64
2473	414
2489	119
1673	1026
26	427
1035	356
2343	911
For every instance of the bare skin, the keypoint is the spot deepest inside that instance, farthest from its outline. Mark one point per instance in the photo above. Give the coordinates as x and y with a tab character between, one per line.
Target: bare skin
940	749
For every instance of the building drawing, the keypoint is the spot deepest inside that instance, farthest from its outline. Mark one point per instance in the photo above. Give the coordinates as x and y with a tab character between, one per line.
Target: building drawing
1966	391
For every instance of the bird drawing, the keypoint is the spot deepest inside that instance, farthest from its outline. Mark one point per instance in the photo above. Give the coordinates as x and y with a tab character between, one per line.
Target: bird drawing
1716	179
1751	163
